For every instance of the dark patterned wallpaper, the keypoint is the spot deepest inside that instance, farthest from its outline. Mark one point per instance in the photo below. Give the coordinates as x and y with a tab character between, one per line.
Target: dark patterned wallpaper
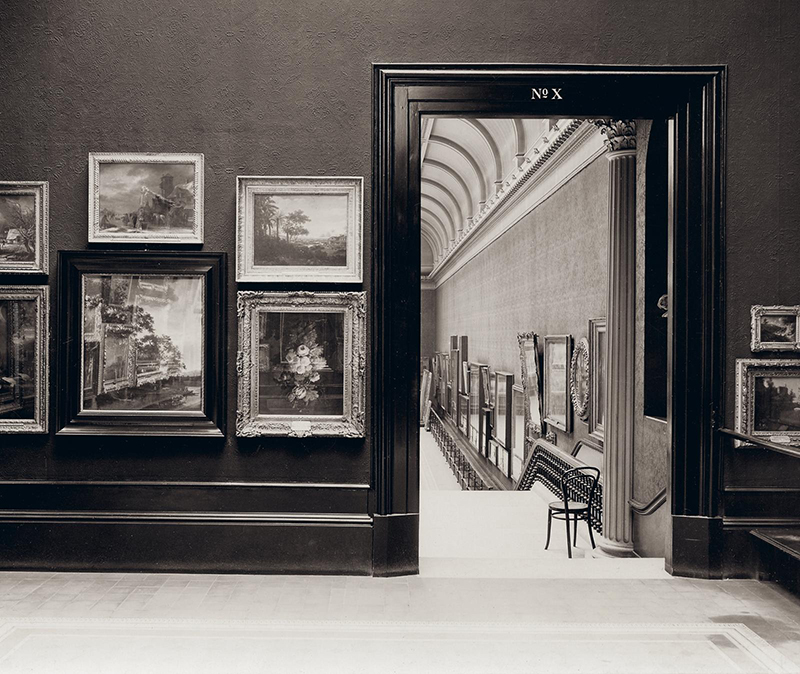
284	88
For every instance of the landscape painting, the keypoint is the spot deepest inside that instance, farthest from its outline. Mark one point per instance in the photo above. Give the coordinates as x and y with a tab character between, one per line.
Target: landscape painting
23	221
299	229
142	343
23	359
155	198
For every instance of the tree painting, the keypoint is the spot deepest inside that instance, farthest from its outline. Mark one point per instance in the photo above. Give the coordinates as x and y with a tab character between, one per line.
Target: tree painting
17	228
300	230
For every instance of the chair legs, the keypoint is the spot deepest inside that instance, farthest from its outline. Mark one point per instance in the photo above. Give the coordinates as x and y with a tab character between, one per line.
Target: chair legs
549	525
575	533
591	535
569	541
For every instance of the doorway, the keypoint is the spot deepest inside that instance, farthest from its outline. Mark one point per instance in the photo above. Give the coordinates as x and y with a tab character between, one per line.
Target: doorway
691	99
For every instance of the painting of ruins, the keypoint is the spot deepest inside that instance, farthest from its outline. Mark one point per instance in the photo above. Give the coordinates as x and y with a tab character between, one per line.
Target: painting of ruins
299	229
142	341
23	227
154	198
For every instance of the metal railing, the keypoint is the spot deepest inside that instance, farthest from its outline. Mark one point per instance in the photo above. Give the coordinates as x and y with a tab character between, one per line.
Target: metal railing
468	478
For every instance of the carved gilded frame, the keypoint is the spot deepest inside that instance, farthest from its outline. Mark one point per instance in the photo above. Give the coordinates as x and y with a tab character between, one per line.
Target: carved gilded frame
758	312
249	423
98	159
41	296
529	364
40	191
746	371
247	187
580	379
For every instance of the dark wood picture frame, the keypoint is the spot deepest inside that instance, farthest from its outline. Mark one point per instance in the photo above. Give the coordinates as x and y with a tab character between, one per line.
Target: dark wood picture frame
72	266
693	100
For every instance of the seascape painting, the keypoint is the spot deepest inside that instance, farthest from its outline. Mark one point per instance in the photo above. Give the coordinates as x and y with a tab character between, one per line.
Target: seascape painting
143	345
301	363
778	328
306	230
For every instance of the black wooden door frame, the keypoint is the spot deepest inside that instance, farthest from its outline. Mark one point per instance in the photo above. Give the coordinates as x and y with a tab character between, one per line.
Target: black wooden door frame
693	98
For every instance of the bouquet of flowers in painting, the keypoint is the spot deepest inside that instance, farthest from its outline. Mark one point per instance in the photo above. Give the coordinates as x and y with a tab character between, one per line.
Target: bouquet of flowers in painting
300	363
300	374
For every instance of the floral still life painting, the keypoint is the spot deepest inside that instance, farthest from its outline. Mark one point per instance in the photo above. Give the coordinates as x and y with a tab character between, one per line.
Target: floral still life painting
301	364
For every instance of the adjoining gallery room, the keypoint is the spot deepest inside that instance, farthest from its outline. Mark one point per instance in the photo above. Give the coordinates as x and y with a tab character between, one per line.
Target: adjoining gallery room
405	337
515	266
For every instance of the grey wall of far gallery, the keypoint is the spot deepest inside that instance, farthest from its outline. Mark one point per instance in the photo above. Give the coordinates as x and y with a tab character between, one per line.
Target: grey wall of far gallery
285	88
547	274
427	332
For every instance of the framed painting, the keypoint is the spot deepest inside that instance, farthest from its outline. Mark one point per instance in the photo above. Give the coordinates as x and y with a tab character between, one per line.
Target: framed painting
768	399
579	379
557	356
145	197
503	412
475	404
775	328
141	348
299	229
518	453
301	364
597	378
531	383
24	227
24	372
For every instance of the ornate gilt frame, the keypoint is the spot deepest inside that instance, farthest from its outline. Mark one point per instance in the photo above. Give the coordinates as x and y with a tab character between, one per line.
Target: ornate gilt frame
579	366
249	423
745	402
757	312
248	186
532	429
40	190
39	422
98	158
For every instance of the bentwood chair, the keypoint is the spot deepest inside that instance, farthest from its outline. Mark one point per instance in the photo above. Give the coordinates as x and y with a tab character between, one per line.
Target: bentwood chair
580	481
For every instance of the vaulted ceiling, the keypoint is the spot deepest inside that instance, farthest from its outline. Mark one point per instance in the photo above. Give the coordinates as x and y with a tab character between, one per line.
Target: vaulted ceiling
465	163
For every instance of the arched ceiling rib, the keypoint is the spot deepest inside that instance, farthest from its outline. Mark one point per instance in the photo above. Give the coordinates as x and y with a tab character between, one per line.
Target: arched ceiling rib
435	188
483	181
491	144
437	228
434	206
433	240
441	199
447	175
465	161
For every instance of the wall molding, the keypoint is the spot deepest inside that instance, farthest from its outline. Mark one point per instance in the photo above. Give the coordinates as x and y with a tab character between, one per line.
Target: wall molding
547	169
117	517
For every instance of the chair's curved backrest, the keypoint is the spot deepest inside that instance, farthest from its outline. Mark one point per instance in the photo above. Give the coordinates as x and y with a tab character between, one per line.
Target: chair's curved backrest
580	483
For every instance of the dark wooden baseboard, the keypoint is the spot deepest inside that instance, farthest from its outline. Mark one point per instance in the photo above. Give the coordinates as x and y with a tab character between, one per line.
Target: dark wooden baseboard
304	543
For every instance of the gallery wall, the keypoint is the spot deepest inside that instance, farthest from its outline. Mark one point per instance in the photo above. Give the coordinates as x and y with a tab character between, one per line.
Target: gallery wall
546	274
284	89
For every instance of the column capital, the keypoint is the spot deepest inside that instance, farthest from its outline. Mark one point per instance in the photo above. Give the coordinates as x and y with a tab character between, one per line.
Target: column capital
620	133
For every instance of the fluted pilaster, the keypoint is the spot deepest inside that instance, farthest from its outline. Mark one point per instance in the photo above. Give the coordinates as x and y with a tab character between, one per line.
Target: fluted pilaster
619	414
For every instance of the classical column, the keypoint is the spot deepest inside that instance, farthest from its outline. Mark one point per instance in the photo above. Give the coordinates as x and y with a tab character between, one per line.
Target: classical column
618	443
